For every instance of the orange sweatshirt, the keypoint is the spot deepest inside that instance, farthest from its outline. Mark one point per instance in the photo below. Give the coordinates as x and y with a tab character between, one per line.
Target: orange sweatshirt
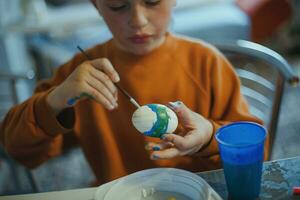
190	71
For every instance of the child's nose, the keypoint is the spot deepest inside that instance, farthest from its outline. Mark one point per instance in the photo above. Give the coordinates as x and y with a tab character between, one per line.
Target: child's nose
138	17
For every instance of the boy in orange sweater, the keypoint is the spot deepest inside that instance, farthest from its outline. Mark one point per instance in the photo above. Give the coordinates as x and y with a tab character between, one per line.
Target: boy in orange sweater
154	66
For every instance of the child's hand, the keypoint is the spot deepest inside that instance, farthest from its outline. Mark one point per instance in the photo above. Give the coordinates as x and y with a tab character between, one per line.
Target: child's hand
196	132
92	79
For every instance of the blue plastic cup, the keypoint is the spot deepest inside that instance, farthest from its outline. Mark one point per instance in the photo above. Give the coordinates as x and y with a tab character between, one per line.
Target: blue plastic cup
241	146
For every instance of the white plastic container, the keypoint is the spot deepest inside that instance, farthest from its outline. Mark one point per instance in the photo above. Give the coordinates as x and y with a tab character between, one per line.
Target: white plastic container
147	184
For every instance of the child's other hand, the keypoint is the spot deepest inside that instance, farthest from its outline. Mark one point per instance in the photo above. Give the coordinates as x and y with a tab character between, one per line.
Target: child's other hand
195	132
91	79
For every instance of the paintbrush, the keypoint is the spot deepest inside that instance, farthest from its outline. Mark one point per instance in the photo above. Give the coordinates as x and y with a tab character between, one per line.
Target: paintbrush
126	94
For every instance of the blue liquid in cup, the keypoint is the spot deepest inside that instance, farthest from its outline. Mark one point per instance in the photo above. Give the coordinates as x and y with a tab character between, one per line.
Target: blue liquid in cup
243	181
241	146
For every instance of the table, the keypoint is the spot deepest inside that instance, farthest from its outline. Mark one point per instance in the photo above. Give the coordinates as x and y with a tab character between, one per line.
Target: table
279	177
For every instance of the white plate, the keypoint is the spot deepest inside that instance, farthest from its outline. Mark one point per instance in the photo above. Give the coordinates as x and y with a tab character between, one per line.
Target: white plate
145	183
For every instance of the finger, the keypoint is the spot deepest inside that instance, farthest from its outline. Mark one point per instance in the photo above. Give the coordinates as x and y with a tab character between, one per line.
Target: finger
180	108
99	97
183	143
102	77
184	114
172	152
153	146
101	88
105	65
165	154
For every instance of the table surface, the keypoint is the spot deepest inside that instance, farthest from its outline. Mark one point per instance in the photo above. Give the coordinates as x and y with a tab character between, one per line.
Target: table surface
278	179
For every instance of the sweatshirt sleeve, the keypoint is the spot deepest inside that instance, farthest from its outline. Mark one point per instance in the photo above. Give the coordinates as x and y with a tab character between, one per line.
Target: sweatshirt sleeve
30	132
227	103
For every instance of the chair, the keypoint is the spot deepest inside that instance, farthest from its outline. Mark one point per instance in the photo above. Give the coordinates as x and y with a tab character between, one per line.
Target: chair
263	74
9	97
8	89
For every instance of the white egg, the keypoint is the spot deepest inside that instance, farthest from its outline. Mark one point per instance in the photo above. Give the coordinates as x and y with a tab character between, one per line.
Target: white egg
154	120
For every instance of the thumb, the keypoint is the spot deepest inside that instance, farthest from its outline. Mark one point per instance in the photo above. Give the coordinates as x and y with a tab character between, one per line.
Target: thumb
185	116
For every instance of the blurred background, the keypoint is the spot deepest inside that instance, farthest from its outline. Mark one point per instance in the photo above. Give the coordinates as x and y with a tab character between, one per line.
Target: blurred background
36	36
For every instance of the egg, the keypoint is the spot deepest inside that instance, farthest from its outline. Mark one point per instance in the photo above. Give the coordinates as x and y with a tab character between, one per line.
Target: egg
154	120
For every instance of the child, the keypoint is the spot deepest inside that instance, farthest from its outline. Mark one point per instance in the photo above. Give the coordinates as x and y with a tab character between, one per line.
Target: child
154	66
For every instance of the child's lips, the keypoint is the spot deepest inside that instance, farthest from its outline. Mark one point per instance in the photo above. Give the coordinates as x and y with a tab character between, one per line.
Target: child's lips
140	38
